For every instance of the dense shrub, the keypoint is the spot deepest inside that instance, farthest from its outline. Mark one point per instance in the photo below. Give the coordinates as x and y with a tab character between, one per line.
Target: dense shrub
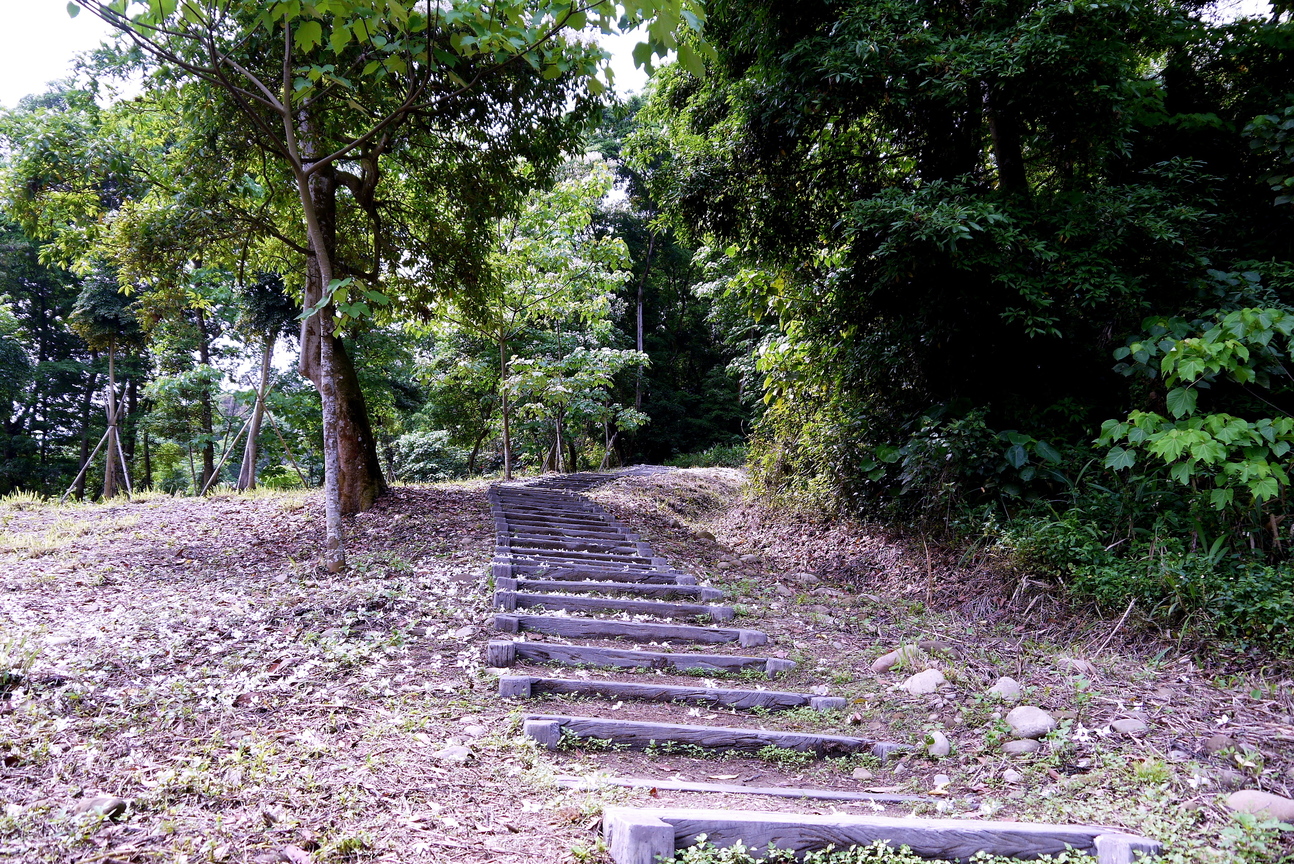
718	456
428	457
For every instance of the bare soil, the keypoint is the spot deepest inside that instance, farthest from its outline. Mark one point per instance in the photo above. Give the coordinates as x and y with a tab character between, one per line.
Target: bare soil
189	657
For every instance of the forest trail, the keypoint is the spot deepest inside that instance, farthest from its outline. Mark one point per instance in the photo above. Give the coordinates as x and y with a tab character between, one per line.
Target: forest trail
558	552
184	658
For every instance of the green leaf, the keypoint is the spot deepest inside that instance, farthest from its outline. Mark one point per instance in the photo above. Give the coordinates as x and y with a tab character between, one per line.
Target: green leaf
1181	401
1222	497
1016	456
1046	452
691	61
73	10
308	35
1120	459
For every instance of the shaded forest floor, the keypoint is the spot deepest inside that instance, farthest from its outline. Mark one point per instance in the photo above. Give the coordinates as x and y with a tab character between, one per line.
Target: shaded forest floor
187	657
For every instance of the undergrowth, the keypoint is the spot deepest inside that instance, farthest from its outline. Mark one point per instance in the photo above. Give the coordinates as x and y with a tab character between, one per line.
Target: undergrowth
880	852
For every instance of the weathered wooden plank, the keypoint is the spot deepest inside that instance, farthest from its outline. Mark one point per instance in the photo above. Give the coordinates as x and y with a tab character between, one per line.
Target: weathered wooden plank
602	546
575	603
637	736
573	556
502	653
942	839
552	519
562	586
634	631
504	565
597	574
600	781
535	533
529	686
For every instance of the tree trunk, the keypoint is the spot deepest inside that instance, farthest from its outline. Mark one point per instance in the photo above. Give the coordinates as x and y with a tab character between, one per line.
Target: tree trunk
476	451
503	404
204	403
638	385
148	463
87	406
110	461
1004	129
325	361
247	474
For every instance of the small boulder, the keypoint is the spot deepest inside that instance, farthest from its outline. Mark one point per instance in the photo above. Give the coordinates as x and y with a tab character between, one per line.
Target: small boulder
705	535
1219	742
1011	775
862	774
924	683
1021	747
1006	689
806	578
906	655
782	591
1130	726
1262	804
724	565
1077	665
1028	721
749	559
464	632
937	744
105	805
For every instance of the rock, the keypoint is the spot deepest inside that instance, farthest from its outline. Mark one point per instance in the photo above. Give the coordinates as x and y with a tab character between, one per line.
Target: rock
705	535
782	591
1077	665
105	805
937	744
1130	726
1007	689
1262	804
1178	756
935	646
464	632
1220	742
1227	778
724	565
750	559
1028	721
862	774
806	578
457	754
941	780
1021	747
474	731
924	683
907	655
1011	775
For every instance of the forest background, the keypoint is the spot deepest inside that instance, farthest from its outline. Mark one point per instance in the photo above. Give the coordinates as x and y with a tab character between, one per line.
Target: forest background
1008	275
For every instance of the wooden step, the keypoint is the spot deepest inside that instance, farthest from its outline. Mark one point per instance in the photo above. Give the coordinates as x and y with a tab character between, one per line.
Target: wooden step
547	730
530	686
590	574
600	781
501	654
503	547
633	631
599	546
504	566
532	533
515	600
644	836
563	586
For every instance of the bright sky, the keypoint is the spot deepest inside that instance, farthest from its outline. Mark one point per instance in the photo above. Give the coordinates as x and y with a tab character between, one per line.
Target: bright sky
38	40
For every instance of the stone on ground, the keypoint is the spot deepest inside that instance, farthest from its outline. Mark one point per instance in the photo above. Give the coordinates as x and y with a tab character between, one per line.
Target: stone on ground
937	744
1029	721
105	805
1262	804
1021	747
1007	689
924	683
1130	726
1219	742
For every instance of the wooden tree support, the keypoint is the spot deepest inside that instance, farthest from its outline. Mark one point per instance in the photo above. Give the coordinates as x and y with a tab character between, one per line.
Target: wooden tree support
547	730
644	836
633	631
502	654
573	603
528	687
561	586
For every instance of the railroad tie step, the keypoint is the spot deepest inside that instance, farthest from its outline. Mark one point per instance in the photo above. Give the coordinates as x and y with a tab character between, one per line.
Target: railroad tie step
590	574
562	586
601	781
510	600
548	730
501	654
529	687
647	835
632	631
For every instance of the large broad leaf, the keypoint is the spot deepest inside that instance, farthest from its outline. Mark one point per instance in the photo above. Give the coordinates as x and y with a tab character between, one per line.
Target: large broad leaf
1046	452
1016	456
1181	401
1119	459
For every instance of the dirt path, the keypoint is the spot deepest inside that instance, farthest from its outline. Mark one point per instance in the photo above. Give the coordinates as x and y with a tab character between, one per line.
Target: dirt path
186	657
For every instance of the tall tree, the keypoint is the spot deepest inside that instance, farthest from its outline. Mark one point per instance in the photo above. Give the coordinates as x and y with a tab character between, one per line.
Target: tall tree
331	91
